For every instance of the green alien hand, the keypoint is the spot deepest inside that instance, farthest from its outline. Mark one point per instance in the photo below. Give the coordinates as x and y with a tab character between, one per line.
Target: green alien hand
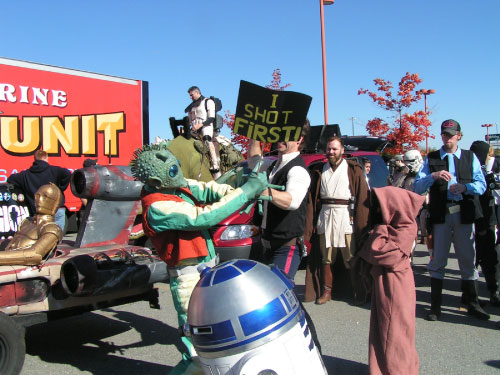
257	182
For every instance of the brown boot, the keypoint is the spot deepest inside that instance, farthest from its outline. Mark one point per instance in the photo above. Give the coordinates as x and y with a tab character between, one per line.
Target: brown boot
327	292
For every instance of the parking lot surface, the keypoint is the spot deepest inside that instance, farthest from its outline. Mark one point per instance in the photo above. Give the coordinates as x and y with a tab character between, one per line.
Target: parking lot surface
134	339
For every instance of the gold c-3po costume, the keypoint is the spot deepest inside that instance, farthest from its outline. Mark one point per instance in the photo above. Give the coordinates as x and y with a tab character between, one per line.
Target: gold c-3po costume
38	235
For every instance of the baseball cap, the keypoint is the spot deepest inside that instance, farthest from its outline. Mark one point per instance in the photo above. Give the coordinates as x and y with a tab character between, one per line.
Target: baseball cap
89	163
450	127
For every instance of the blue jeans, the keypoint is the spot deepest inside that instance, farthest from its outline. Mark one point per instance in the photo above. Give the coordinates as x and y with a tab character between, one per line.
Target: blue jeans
60	217
286	258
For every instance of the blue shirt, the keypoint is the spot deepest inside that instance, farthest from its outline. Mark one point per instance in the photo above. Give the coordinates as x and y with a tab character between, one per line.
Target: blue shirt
424	178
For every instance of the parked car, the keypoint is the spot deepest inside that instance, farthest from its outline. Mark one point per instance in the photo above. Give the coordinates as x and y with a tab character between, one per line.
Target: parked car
238	237
96	270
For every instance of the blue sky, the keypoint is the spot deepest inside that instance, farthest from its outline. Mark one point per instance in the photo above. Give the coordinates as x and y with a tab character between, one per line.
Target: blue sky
452	44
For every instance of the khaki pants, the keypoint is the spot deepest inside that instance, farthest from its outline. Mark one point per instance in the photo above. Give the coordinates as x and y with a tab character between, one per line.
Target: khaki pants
330	254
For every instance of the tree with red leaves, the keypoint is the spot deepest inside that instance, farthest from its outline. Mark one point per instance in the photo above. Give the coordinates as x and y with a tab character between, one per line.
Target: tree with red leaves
240	140
408	129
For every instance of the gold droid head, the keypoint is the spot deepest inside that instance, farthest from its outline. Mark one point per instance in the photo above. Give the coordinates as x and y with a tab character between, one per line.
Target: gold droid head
48	198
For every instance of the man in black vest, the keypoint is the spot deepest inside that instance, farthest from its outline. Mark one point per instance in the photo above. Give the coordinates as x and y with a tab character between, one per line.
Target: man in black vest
453	177
284	217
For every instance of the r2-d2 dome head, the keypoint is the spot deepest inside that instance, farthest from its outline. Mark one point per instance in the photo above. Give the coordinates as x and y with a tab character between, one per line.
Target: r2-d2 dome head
413	160
244	318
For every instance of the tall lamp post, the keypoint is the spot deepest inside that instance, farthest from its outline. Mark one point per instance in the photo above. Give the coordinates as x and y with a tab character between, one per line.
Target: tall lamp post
487	126
426	92
352	122
321	12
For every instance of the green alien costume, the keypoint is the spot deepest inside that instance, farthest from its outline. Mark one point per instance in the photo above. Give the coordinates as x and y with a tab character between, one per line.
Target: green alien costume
177	213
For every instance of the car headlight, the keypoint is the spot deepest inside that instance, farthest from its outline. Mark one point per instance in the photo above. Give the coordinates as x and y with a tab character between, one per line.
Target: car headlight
238	232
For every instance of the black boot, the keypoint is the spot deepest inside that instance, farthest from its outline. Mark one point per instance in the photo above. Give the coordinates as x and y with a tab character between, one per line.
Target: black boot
492	285
495	298
436	296
473	306
465	302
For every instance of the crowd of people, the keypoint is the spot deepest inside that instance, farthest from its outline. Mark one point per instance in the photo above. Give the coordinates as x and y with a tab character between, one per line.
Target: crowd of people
450	197
374	232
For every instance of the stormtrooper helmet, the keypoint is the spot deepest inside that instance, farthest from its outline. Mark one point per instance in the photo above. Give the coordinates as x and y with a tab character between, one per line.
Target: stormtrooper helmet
413	160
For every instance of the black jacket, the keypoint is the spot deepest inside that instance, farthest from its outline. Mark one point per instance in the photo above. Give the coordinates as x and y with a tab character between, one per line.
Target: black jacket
40	173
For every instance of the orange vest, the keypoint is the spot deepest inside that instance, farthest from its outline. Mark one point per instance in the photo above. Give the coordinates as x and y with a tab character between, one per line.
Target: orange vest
173	246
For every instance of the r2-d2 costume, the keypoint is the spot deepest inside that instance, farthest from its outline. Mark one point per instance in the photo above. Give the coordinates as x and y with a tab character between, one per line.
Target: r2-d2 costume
244	318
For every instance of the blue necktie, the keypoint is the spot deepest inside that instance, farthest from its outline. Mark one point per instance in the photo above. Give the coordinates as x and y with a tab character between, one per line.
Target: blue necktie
451	169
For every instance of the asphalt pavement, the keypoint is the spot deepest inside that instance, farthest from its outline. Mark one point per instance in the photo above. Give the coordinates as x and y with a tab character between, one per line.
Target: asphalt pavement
134	339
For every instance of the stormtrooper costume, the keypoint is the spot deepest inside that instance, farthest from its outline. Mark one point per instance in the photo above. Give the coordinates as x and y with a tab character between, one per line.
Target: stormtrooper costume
202	112
413	162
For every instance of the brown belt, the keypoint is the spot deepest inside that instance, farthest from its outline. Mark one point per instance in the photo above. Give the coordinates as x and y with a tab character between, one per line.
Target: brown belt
335	201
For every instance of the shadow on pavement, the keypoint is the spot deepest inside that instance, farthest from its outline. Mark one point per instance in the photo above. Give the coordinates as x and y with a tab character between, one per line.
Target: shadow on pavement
493	363
339	366
86	342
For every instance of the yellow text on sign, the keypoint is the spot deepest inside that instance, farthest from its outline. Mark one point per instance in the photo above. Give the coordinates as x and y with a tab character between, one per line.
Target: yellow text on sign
265	133
266	116
77	135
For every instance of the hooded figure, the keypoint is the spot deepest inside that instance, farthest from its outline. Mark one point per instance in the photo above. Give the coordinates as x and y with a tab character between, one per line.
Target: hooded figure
388	248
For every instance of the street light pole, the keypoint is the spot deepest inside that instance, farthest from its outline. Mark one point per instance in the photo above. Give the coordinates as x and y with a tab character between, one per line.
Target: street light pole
426	92
325	96
352	122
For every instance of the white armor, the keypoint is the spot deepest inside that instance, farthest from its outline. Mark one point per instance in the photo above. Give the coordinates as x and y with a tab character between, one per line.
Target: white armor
199	114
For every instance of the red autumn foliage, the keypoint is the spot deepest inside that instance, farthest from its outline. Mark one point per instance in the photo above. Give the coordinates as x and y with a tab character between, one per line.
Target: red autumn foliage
241	141
407	129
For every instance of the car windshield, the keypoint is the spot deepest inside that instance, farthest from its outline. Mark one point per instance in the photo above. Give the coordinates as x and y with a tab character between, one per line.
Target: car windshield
378	172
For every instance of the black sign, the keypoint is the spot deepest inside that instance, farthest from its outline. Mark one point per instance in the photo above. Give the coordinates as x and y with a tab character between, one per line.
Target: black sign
492	137
268	115
13	210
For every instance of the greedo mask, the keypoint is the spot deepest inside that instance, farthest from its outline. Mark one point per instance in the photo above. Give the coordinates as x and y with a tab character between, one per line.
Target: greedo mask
157	168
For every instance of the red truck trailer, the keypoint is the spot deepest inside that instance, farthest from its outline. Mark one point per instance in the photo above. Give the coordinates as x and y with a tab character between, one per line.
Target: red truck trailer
71	114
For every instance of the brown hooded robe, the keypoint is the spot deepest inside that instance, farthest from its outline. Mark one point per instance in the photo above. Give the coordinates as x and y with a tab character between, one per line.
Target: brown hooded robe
388	248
